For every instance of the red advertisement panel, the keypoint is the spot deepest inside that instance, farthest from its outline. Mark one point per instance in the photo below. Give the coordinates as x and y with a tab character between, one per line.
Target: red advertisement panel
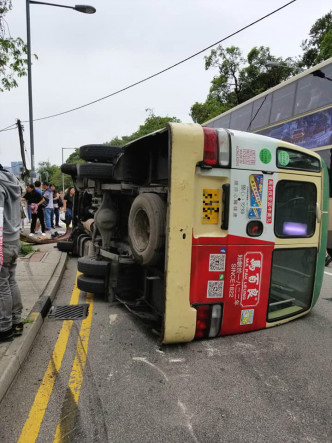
238	276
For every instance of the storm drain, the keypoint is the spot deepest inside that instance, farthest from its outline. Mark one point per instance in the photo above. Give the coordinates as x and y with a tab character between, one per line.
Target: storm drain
69	312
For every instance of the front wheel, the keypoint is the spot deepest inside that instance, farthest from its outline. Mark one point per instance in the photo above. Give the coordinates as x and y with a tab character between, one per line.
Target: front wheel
146	226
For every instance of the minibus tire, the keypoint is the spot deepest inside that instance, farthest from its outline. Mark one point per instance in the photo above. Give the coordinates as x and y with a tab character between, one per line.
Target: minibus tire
69	168
92	267
99	153
65	246
101	171
91	284
146	228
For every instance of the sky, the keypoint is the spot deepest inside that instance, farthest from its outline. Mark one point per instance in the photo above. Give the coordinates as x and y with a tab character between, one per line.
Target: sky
84	57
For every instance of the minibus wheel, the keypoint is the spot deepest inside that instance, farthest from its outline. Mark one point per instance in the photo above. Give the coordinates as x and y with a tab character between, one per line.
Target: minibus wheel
69	169
99	153
92	267
101	171
146	228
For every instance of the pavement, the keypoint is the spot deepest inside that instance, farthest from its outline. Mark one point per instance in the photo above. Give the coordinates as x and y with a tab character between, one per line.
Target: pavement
38	275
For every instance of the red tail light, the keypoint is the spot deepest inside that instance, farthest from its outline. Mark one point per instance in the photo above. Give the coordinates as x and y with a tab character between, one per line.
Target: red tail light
208	321
210	146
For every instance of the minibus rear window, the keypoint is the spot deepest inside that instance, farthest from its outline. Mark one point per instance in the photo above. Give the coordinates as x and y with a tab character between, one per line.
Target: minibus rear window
295	209
292	280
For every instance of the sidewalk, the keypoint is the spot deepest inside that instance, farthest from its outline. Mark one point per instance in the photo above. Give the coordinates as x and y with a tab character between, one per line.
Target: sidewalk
38	275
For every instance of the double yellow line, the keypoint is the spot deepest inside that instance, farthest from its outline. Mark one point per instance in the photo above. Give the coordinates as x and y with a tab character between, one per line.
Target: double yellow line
32	425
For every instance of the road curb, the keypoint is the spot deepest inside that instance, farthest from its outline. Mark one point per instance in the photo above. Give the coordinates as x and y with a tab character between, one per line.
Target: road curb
11	362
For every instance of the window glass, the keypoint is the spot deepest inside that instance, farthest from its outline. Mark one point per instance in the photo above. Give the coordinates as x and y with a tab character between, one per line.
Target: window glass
282	103
289	159
240	119
326	155
314	90
222	122
261	112
292	280
295	209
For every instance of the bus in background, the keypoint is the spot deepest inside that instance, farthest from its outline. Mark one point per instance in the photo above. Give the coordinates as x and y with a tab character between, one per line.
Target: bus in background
206	232
298	111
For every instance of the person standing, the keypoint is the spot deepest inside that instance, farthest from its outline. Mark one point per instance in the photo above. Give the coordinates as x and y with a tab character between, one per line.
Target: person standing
35	200
68	202
38	187
56	206
10	296
48	205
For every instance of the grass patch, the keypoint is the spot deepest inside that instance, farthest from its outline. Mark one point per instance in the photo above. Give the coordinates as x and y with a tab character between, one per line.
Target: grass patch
26	249
27	320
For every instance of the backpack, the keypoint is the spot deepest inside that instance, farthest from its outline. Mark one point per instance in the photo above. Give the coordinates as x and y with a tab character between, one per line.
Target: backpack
45	202
60	202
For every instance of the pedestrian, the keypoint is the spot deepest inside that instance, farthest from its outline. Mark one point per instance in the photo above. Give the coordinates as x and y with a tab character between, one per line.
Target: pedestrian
10	296
56	206
38	187
48	205
35	200
68	202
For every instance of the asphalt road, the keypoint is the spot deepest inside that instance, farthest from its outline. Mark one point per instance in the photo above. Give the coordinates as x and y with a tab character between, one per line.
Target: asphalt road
272	385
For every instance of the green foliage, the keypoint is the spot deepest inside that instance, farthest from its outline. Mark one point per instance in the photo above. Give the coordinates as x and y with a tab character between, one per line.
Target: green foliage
152	123
13	52
239	79
318	47
53	174
26	249
75	157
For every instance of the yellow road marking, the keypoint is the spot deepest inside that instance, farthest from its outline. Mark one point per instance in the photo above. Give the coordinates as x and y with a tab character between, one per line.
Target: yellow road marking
66	423
32	425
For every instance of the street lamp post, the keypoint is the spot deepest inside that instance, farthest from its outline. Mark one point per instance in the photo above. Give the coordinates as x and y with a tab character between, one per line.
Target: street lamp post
86	9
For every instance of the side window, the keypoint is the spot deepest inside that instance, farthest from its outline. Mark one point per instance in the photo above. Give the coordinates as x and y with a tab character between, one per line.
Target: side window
240	119
314	90
326	155
261	112
295	209
282	103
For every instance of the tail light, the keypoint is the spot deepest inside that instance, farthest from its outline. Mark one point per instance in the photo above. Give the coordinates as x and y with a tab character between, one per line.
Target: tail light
216	147
208	321
210	146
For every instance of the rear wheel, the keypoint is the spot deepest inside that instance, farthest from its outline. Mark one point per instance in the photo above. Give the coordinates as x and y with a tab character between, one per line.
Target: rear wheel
146	226
99	153
91	284
101	171
91	266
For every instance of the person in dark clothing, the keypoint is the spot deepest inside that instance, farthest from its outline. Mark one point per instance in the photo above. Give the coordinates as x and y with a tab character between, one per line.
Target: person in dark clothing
56	207
10	296
68	202
34	198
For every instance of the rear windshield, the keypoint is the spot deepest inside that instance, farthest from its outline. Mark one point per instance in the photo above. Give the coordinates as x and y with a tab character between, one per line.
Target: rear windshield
295	209
292	280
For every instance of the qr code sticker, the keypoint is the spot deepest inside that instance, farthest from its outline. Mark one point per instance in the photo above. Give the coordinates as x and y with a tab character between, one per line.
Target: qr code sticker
215	289
217	262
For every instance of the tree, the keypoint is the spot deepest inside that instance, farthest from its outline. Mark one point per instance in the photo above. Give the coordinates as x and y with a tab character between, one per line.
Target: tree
13	52
318	47
152	123
239	78
75	157
53	174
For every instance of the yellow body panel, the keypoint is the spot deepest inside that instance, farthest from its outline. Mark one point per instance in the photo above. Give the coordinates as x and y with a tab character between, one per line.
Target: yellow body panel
187	142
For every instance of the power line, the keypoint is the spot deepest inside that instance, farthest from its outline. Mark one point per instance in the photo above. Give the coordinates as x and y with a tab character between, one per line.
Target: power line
7	128
166	69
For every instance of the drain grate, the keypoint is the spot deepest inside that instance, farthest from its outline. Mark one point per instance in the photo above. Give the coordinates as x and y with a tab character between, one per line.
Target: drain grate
69	312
